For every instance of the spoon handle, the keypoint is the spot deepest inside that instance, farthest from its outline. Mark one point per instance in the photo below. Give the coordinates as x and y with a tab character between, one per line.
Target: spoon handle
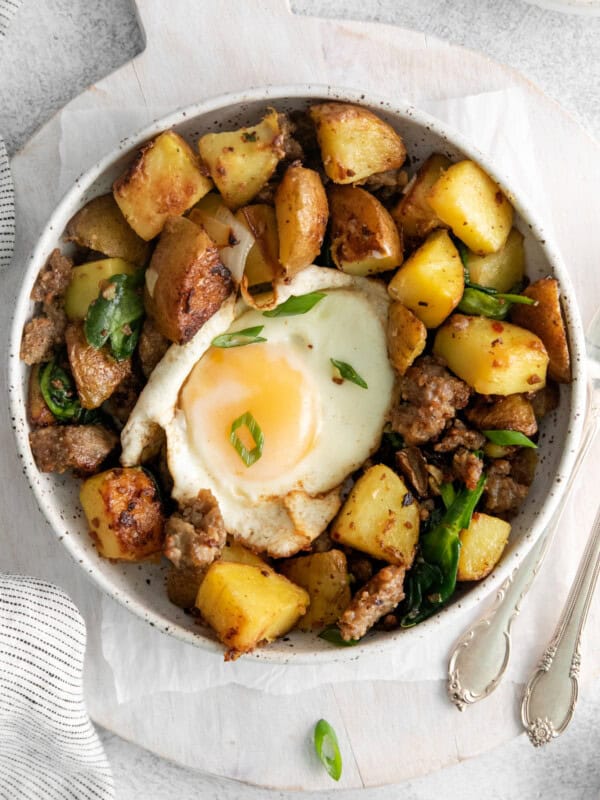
481	655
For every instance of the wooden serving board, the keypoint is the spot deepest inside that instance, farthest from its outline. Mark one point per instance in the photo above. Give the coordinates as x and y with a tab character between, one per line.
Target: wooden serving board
389	731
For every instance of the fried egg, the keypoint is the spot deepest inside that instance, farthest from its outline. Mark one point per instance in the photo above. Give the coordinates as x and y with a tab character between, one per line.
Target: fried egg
316	425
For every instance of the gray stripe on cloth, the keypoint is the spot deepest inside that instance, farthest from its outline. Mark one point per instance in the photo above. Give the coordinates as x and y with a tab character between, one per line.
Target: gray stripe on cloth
7	209
8	9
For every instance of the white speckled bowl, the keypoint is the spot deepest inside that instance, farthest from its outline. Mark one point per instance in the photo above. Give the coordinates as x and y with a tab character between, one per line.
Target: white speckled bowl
140	587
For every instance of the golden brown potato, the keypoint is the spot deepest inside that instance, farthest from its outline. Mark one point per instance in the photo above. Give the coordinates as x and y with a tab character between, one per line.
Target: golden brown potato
234	551
241	162
511	413
473	205
413	214
502	270
546	320
247	605
354	142
325	578
96	373
406	337
301	210
189	282
431	282
380	517
364	238
123	510
492	357
101	226
164	181
38	413
262	264
482	544
84	286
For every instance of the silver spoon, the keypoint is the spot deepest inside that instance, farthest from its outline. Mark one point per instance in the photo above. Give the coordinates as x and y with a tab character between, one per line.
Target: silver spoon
481	655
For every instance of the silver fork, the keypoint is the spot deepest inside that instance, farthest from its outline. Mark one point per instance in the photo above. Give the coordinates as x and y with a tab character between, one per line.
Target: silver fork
482	653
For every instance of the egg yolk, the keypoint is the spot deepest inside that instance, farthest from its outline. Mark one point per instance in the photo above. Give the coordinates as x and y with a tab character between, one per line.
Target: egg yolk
266	380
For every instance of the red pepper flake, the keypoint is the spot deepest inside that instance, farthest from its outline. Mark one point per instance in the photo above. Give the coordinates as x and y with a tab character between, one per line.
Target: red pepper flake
498	327
533	379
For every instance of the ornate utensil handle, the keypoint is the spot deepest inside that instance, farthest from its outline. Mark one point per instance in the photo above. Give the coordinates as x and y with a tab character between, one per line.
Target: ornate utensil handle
481	655
551	693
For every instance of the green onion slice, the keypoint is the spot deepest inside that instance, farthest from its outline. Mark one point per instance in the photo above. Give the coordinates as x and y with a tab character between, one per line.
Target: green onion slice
448	494
507	438
296	304
249	457
348	373
328	749
333	636
239	338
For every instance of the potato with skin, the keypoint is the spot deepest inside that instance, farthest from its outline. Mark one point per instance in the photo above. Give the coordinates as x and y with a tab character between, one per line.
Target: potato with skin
511	413
364	237
474	206
380	517
189	283
482	544
86	282
262	264
124	512
96	373
502	270
431	281
164	181
38	413
241	162
247	605
413	214
101	226
354	142
492	357
406	337
325	578
301	209
546	320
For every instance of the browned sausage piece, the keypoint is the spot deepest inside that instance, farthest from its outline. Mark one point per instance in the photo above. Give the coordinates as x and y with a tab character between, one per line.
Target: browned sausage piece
82	448
380	596
196	533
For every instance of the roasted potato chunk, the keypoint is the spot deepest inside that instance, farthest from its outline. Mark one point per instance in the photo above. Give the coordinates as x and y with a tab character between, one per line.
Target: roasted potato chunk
38	413
406	337
364	238
474	206
189	281
164	181
86	280
502	270
325	578
101	226
413	214
431	282
123	510
545	319
511	413
354	142
482	544
492	357
234	551
301	210
97	374
241	162
262	263
380	517
246	605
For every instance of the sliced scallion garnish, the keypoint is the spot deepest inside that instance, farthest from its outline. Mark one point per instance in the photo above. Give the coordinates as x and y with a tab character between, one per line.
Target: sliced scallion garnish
508	438
447	494
328	749
239	338
348	373
249	457
296	304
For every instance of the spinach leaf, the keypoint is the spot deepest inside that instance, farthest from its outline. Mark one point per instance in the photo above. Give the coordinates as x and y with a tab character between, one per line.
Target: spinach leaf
116	316
333	636
59	393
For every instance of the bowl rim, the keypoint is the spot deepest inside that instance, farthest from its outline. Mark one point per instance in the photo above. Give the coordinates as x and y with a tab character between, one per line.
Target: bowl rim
402	110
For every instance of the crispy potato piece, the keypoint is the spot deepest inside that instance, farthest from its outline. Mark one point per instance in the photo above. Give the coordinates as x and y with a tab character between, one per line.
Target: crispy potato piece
354	142
431	282
492	357
473	205
101	226
241	162
482	544
546	320
234	551
97	374
164	181
413	214
84	287
364	238
502	270
511	413
124	513
325	578
246	605
301	210
262	263
190	282
546	400
38	413
380	517
406	337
